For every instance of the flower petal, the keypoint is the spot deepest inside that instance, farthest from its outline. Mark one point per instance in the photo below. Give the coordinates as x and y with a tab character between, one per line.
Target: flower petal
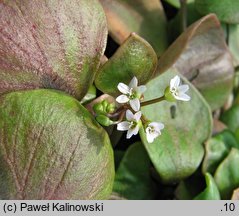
137	116
175	82
129	134
182	97
132	132
135	104
123	88
157	125
141	89
149	136
135	130
129	115
183	88
133	83
122	99
123	126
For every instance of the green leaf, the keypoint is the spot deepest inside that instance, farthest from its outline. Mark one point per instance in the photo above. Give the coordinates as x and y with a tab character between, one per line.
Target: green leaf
231	117
177	153
201	54
226	10
190	187
132	180
217	148
135	57
233	42
52	148
227	175
144	17
211	192
90	95
54	44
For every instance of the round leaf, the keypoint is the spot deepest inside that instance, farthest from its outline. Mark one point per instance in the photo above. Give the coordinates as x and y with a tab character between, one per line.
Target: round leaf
177	153
227	175
217	148
52	148
231	117
211	192
132	180
226	10
201	55
133	58
54	44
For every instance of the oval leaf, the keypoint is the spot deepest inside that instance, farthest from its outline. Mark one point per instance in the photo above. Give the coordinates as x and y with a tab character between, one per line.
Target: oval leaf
133	58
144	17
177	153
132	180
54	44
227	175
217	148
211	192
91	95
231	117
52	148
201	54
226	10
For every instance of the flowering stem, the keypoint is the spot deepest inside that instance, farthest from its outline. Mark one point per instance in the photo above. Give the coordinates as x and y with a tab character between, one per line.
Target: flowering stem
121	117
156	100
117	113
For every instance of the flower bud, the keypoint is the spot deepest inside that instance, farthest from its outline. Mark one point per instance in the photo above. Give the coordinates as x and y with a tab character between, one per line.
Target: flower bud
104	120
110	108
99	108
168	95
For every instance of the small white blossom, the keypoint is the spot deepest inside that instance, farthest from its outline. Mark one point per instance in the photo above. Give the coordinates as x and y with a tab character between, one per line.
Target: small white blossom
131	125
153	130
131	93
178	91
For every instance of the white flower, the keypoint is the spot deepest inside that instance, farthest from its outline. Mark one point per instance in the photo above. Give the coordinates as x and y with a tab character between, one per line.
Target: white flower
153	131
131	125
131	93
178	91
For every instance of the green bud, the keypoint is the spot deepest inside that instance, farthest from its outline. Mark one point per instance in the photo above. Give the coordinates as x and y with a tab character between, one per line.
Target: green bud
168	95
104	120
110	108
104	107
105	104
99	108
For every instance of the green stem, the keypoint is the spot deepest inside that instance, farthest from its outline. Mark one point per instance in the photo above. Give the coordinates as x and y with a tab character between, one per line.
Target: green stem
156	100
183	4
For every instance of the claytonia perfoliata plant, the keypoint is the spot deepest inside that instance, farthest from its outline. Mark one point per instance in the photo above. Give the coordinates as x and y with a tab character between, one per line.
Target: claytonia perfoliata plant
131	93
131	97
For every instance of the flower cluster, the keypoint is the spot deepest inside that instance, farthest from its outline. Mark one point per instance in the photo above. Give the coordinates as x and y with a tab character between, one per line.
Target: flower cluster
131	96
